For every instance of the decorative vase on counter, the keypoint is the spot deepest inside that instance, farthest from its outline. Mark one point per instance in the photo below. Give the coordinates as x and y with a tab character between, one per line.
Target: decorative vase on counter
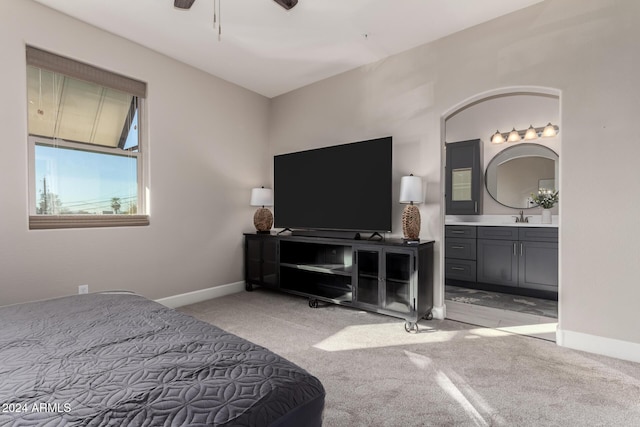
546	216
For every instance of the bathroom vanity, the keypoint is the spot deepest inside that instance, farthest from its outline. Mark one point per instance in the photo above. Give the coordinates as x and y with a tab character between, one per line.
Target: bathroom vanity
503	252
519	258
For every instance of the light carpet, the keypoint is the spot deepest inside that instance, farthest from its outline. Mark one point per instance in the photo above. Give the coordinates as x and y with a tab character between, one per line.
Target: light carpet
448	374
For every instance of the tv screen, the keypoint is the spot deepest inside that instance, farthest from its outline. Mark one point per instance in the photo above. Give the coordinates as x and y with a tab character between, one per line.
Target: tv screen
343	187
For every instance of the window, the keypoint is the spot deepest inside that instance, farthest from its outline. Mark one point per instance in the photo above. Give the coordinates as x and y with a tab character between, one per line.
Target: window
85	161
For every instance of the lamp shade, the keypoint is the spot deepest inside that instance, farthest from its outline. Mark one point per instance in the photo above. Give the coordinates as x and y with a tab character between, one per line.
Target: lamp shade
531	133
411	189
497	138
548	131
261	197
514	136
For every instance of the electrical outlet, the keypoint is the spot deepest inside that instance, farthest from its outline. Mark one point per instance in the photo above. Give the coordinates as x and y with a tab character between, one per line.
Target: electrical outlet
83	289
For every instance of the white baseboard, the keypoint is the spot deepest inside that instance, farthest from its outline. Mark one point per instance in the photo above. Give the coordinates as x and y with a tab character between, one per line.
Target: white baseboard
439	312
201	295
619	349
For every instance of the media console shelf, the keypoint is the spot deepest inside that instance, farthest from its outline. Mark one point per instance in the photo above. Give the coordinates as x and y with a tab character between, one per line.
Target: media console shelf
387	277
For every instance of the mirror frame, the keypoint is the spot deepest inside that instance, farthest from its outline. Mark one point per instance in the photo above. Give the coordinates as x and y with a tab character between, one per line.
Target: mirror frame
513	152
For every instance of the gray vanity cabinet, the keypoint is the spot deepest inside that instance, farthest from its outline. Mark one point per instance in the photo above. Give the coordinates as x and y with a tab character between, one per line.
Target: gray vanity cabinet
498	255
463	180
460	253
525	257
538	259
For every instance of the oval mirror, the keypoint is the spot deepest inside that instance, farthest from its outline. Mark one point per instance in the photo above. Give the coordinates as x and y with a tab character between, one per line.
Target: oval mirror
518	171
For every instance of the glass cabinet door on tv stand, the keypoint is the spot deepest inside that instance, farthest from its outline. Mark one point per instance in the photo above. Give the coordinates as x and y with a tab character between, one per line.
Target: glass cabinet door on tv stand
261	261
384	281
398	294
367	276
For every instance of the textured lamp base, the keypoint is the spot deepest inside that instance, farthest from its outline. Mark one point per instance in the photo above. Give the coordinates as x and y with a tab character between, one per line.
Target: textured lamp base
263	220
411	222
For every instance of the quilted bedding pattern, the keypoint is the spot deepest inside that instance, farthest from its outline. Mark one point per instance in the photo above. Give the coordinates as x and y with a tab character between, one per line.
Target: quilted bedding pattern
120	359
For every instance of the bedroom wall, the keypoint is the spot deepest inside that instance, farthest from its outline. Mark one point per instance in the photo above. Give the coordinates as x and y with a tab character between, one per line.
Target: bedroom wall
207	149
584	48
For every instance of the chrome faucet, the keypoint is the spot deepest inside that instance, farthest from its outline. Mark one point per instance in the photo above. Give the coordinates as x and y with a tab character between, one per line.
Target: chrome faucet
521	218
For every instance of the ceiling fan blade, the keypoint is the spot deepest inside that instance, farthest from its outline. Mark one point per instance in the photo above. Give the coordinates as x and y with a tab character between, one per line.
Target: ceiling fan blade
287	4
182	4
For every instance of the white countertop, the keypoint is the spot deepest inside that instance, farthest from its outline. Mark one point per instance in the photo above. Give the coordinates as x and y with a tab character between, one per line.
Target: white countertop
504	224
498	221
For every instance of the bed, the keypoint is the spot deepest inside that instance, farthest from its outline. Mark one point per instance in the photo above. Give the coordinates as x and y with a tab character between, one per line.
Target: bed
118	359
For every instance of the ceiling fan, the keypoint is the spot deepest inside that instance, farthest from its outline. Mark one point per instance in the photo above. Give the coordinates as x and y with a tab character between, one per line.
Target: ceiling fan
186	4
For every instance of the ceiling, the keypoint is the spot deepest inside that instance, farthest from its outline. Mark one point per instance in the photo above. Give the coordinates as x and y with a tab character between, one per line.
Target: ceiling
272	51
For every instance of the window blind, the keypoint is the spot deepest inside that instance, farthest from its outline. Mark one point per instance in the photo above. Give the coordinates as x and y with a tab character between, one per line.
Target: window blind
70	67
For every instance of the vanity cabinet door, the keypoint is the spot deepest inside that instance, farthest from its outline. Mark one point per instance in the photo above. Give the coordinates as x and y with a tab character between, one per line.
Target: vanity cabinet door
460	253
463	180
459	269
460	248
538	267
460	231
497	262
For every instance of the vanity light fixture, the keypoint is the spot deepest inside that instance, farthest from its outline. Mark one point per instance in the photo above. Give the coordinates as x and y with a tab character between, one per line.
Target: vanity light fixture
547	131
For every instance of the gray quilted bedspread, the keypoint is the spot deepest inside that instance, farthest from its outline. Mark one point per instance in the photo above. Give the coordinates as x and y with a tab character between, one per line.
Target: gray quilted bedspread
122	360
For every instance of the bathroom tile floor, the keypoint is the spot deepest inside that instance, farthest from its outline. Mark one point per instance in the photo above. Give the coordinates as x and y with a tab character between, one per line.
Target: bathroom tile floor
517	303
529	316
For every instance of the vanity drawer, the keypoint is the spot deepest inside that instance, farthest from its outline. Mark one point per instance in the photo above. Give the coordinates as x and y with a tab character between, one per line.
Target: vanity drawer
539	234
467	231
498	233
460	269
460	248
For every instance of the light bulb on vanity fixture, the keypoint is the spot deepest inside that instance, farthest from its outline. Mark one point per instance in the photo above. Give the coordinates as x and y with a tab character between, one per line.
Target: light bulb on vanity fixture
549	130
528	134
497	138
411	192
263	218
514	136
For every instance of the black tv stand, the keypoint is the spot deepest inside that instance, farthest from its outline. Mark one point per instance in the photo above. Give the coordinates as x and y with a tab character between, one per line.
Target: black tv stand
327	234
384	276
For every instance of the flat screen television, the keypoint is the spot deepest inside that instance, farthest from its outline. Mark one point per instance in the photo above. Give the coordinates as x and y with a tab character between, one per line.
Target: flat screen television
342	187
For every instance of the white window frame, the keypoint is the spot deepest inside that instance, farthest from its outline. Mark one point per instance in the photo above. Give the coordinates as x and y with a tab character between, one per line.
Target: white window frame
43	221
105	219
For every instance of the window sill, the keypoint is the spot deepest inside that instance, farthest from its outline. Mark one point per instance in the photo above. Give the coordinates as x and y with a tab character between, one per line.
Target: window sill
43	222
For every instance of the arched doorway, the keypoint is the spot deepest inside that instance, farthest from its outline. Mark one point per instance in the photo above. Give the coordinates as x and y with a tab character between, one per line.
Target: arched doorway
479	117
